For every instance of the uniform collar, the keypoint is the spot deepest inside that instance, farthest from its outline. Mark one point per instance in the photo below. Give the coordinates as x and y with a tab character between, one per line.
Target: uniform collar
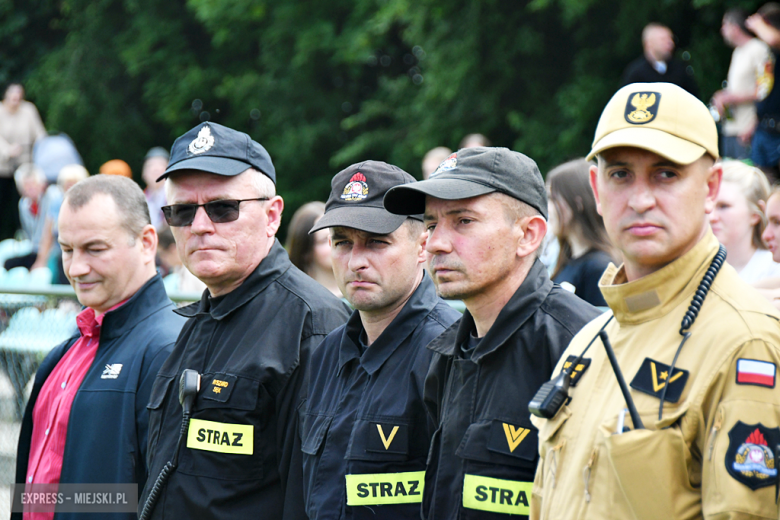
523	304
420	304
146	301
274	265
656	294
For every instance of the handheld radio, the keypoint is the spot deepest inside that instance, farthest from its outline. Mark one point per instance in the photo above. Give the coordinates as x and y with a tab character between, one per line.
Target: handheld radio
189	385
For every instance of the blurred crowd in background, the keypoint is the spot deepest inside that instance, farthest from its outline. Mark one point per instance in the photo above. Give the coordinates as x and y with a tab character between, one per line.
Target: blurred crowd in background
37	168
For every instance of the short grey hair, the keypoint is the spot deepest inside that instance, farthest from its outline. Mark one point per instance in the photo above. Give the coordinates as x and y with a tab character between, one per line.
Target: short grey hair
264	185
127	195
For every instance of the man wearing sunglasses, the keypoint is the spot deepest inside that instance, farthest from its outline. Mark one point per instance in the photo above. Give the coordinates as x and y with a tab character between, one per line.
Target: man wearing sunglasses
249	337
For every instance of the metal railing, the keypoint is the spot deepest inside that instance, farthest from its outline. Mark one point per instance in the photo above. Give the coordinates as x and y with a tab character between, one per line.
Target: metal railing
33	320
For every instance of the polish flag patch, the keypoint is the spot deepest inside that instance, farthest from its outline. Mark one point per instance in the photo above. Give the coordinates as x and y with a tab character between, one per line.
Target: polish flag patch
754	372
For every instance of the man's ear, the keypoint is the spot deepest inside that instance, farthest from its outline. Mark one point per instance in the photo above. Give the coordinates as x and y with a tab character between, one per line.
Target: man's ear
274	210
422	240
594	177
714	178
148	239
534	228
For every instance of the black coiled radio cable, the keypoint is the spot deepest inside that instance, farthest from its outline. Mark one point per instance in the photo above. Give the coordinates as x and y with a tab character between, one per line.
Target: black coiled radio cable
189	384
692	313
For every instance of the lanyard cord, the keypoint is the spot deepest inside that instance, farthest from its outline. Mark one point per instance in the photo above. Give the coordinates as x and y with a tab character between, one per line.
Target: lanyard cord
692	313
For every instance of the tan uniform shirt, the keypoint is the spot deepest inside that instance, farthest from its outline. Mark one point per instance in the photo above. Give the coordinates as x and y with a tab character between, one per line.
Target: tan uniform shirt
22	127
712	454
747	67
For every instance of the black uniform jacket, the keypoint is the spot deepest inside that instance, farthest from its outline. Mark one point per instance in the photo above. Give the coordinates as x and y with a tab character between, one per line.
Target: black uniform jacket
677	72
241	458
365	416
483	456
106	440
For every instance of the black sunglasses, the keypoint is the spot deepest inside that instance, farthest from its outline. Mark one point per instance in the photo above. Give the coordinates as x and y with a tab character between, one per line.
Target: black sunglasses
219	211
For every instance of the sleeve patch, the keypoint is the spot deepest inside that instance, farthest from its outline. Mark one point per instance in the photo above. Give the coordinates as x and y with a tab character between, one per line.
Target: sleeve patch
750	457
755	372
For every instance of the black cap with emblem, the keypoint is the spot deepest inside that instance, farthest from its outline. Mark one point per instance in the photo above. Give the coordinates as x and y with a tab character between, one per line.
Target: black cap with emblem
356	198
217	149
471	172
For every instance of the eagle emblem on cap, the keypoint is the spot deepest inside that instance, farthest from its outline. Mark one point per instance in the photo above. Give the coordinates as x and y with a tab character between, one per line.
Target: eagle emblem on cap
645	107
754	458
356	189
203	142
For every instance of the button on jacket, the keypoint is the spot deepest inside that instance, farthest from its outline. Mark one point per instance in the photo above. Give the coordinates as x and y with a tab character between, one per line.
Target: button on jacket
107	431
365	430
484	454
712	453
240	458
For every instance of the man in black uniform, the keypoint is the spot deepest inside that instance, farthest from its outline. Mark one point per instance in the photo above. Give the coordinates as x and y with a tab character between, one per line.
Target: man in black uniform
364	426
249	337
658	64
485	210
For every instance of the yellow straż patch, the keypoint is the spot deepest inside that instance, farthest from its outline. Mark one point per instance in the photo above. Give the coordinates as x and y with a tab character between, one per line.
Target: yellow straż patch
221	437
376	489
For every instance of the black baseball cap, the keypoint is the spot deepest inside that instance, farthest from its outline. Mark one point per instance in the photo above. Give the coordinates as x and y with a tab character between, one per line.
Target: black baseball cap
471	172
356	198
213	148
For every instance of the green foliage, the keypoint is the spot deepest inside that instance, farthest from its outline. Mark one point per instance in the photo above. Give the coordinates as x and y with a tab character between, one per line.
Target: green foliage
323	84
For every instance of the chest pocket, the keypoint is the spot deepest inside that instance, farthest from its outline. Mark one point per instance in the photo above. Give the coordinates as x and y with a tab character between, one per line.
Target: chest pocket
499	463
156	399
223	391
552	445
380	438
313	431
512	443
639	459
226	440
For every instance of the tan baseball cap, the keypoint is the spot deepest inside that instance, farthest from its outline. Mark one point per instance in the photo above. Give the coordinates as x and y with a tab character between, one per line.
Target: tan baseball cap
658	117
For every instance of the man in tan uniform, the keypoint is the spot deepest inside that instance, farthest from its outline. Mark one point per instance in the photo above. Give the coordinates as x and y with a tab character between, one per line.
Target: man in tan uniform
712	452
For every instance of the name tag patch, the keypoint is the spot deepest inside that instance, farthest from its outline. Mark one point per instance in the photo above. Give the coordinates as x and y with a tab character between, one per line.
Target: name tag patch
237	439
653	376
376	489
576	374
496	495
220	387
